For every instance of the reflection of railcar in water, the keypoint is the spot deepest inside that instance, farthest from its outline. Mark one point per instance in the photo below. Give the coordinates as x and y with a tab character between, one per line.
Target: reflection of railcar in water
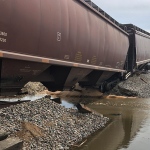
59	43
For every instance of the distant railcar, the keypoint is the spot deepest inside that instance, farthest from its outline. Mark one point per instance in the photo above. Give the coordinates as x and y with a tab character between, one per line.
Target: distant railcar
59	43
138	55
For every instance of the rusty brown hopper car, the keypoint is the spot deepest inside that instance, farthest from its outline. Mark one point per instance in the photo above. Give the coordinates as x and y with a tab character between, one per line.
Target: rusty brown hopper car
139	51
58	42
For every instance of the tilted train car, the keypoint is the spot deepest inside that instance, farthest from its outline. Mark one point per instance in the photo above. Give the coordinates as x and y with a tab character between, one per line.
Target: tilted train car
59	43
139	51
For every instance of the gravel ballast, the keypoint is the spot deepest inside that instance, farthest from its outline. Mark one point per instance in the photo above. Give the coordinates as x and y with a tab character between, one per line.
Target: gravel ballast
138	85
46	125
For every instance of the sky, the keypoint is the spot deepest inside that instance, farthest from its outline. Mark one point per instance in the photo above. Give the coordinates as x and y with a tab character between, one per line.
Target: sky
136	12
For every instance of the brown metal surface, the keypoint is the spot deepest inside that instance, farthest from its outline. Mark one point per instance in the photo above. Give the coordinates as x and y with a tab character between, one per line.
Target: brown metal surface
97	10
139	45
75	75
18	56
16	73
65	30
142	48
57	33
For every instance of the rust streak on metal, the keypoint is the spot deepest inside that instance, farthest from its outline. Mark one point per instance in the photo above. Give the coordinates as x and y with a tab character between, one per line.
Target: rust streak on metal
75	65
45	60
97	67
1	54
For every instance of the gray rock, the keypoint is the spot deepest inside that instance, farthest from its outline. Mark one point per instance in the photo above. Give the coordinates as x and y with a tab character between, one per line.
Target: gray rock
48	124
138	86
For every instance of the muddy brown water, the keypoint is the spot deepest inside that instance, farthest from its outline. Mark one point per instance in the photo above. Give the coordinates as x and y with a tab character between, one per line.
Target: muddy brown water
129	129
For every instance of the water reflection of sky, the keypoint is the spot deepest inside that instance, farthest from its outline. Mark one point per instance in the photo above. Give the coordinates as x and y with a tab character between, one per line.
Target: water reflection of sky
27	97
142	140
67	104
36	97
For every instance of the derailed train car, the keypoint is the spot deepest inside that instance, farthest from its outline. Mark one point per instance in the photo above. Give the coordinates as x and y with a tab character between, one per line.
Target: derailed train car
59	43
139	51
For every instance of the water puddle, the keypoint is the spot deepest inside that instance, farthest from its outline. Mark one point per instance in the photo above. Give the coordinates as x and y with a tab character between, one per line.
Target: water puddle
63	102
67	104
129	129
6	102
25	98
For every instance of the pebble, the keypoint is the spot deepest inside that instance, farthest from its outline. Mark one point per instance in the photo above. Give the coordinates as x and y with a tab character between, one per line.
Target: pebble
61	127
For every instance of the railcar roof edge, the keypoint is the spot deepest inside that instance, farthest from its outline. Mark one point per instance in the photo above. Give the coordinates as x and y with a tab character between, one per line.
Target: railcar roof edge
136	28
102	16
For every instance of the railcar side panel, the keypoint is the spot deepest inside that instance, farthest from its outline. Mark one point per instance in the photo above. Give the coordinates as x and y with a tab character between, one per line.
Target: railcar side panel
63	30
24	26
5	19
116	46
142	48
50	34
66	39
